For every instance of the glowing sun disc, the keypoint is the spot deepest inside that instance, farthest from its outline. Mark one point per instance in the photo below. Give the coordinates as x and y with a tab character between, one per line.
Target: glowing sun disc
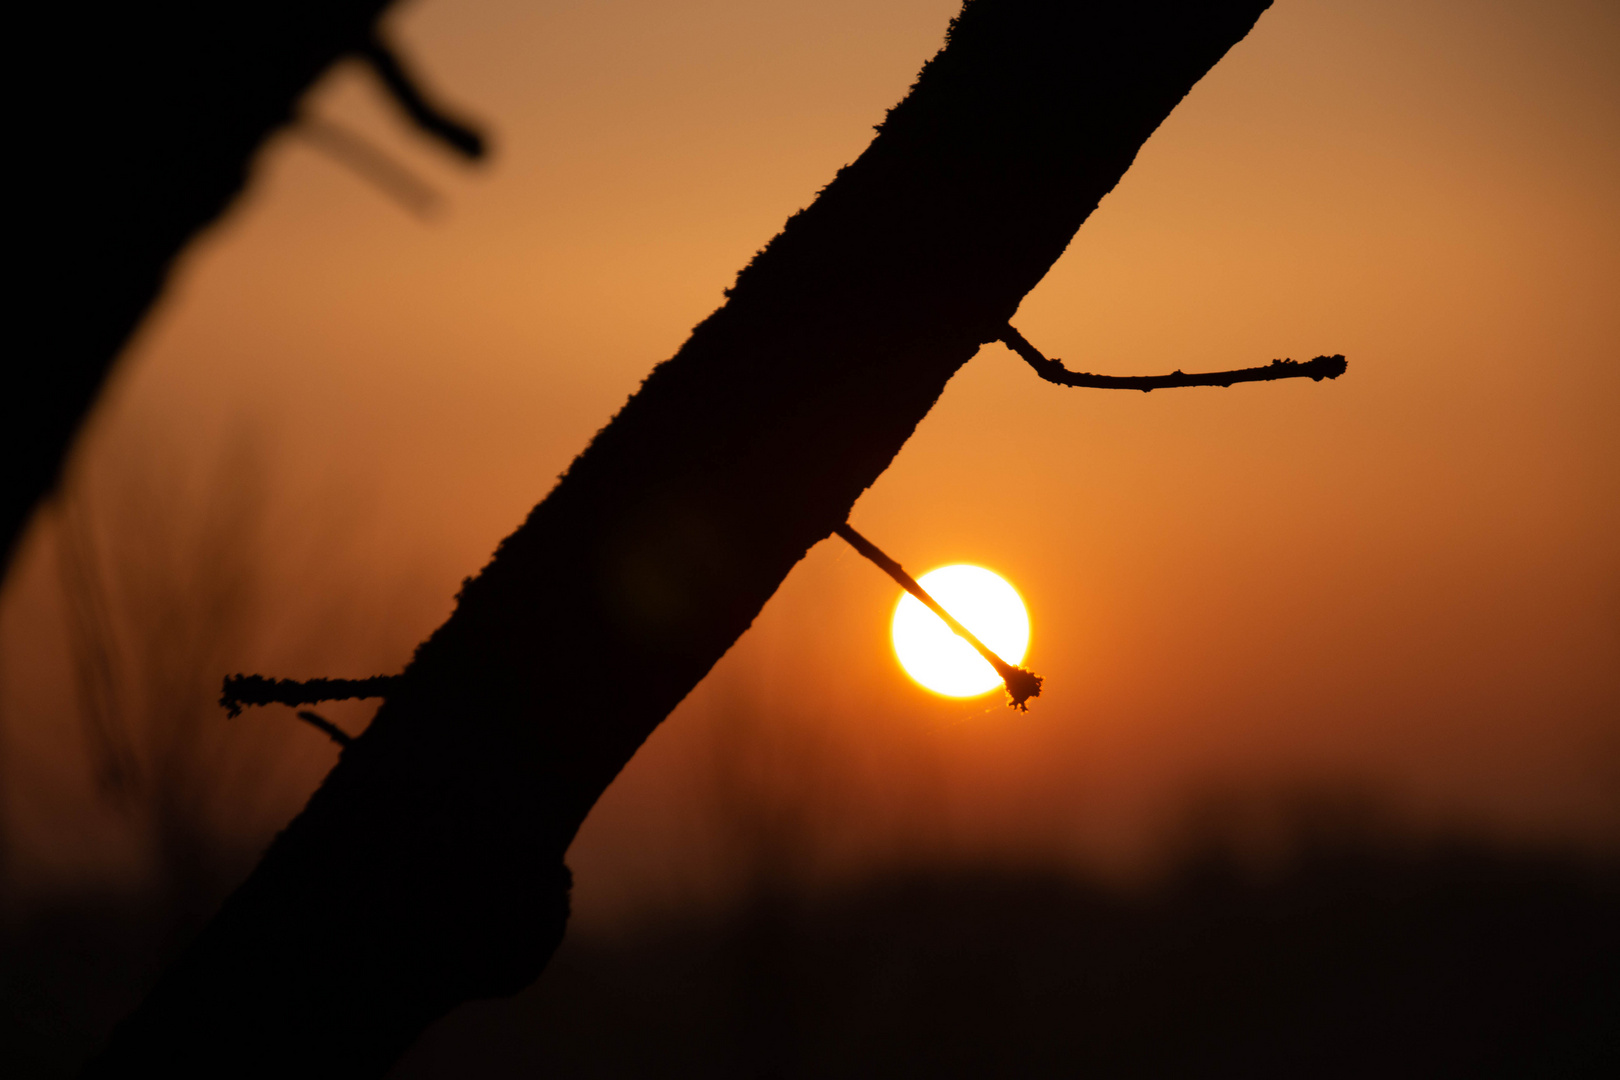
980	601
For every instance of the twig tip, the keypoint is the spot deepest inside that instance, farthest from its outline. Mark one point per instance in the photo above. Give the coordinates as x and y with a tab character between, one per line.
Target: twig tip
1021	686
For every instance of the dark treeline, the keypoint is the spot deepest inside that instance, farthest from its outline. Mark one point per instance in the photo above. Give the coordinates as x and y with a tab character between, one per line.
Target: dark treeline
1353	957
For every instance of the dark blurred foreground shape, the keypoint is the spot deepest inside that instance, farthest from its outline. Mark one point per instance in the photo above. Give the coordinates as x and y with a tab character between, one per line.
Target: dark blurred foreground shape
139	127
1351	959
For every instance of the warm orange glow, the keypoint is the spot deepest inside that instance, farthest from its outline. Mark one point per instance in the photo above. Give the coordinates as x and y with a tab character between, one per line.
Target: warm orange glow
1404	579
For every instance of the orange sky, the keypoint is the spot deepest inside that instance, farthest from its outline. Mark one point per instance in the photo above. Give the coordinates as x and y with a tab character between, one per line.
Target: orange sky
1406	580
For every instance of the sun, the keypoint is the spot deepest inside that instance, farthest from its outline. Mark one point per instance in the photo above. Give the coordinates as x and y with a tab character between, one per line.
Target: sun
981	601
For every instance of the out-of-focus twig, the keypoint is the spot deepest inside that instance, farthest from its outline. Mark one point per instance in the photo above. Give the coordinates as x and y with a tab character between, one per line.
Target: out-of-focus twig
371	163
242	690
322	724
406	90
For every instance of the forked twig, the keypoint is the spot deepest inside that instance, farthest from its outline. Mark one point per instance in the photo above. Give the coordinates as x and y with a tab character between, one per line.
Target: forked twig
1052	370
1021	685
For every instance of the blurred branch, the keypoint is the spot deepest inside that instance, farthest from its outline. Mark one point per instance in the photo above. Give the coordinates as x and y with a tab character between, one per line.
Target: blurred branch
1053	371
321	723
1021	685
428	868
371	163
93	647
406	90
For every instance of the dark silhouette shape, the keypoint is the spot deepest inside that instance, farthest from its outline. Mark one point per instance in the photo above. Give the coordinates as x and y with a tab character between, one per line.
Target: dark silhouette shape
1349	958
143	138
243	690
428	869
1021	685
1323	367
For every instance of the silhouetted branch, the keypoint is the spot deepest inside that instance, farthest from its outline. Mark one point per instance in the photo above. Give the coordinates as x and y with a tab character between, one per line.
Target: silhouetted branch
244	690
428	868
332	731
1021	685
1052	370
460	136
370	162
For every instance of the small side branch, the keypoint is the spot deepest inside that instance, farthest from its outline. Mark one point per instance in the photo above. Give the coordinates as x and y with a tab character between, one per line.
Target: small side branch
1021	685
241	691
322	724
1052	370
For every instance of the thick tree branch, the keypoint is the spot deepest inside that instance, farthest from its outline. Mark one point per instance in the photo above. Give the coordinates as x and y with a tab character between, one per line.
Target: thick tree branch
1323	367
427	870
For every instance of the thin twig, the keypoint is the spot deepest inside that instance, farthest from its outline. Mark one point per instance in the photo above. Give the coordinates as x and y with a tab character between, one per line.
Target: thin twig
93	642
1021	685
333	732
240	691
1052	370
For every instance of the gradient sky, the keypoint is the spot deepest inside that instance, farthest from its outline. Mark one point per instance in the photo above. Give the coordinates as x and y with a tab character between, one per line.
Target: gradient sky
1405	582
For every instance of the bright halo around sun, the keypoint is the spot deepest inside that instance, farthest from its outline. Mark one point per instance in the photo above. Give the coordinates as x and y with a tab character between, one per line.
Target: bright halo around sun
981	601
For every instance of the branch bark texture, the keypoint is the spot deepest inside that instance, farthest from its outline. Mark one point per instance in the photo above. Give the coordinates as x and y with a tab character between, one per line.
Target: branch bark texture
428	869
